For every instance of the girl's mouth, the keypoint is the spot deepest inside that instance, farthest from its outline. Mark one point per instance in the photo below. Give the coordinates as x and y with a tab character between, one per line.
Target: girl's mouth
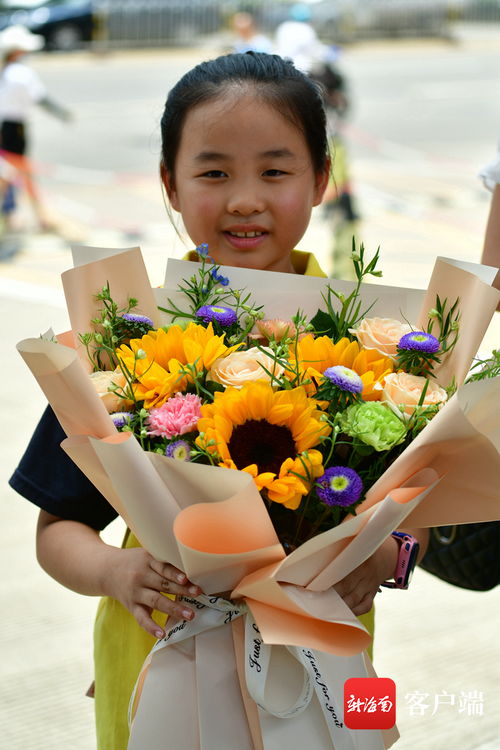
245	234
245	240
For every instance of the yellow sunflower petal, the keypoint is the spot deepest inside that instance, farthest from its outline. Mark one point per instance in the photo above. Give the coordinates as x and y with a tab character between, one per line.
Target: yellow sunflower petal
223	426
287	491
349	354
266	478
280	413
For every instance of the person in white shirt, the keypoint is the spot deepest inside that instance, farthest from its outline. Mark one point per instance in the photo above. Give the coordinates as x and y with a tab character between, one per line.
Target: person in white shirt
297	40
20	89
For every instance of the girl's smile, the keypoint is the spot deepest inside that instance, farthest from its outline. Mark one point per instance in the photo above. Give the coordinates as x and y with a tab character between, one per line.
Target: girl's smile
245	237
244	181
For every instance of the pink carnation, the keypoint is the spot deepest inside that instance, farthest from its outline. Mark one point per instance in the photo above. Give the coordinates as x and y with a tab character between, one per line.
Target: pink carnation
176	416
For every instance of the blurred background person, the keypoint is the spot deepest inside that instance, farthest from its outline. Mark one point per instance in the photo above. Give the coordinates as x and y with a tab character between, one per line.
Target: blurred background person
297	39
21	88
248	37
339	201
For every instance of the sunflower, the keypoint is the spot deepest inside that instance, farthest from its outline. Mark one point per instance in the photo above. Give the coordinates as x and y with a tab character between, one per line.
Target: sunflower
158	360
312	356
270	435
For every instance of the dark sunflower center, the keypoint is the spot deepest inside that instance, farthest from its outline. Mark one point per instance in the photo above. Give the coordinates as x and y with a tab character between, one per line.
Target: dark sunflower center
262	443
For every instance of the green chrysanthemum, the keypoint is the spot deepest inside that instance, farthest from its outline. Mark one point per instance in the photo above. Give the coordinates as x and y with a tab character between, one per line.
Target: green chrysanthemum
374	424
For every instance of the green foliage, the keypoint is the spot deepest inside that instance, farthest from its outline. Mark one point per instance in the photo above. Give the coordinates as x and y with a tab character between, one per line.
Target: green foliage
448	321
485	368
110	331
336	323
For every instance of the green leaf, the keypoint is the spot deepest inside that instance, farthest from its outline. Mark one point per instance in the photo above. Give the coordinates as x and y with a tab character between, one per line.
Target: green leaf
324	324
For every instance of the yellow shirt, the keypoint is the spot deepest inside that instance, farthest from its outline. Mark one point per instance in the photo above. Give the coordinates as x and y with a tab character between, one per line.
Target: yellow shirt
303	263
121	646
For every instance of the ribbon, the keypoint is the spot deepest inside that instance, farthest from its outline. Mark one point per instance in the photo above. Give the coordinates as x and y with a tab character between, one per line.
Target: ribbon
257	665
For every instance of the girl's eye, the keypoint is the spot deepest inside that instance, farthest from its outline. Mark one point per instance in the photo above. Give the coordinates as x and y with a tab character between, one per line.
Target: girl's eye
214	173
273	173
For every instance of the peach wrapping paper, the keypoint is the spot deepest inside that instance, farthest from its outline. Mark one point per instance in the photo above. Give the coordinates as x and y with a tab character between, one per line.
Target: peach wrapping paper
167	504
65	382
450	281
127	275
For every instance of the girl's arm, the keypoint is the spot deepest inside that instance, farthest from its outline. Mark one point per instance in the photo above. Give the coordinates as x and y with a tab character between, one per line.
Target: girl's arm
491	249
76	556
358	589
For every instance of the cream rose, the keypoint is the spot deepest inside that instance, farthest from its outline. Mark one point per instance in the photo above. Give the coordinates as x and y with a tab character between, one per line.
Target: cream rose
402	392
242	367
382	334
103	381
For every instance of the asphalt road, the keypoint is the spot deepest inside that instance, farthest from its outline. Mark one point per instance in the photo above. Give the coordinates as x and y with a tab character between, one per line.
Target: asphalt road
425	118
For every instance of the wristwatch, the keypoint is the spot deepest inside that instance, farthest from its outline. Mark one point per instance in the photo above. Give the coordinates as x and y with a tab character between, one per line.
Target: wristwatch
407	559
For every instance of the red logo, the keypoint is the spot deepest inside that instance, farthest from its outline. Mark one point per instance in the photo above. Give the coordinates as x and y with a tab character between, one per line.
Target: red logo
369	703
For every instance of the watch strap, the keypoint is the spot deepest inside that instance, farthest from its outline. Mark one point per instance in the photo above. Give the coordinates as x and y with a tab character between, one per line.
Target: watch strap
407	558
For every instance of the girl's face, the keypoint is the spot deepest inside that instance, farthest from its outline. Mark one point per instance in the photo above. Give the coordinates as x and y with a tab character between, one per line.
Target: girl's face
244	182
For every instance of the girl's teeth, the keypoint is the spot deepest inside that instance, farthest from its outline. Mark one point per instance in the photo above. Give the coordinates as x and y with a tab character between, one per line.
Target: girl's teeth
247	234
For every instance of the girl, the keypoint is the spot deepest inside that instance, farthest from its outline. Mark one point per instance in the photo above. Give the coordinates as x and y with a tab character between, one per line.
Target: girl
244	160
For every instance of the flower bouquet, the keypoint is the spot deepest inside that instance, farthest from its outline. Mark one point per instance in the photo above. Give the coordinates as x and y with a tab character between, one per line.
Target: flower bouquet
342	425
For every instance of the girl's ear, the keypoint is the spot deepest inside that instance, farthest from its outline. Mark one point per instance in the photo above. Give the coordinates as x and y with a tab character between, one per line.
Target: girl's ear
168	184
322	180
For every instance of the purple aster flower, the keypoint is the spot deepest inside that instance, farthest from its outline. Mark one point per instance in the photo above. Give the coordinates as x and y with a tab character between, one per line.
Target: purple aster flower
344	378
224	316
339	485
134	318
179	450
219	278
420	342
121	418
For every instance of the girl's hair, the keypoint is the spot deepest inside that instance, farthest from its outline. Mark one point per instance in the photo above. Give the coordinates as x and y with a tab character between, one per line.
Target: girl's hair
275	80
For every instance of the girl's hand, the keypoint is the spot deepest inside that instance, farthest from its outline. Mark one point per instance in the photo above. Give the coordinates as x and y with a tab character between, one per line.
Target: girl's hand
76	556
139	581
358	589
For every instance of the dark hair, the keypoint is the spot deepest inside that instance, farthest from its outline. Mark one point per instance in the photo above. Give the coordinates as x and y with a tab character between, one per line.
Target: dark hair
274	79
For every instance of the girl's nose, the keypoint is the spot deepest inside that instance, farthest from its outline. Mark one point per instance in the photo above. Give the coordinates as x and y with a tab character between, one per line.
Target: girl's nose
246	200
